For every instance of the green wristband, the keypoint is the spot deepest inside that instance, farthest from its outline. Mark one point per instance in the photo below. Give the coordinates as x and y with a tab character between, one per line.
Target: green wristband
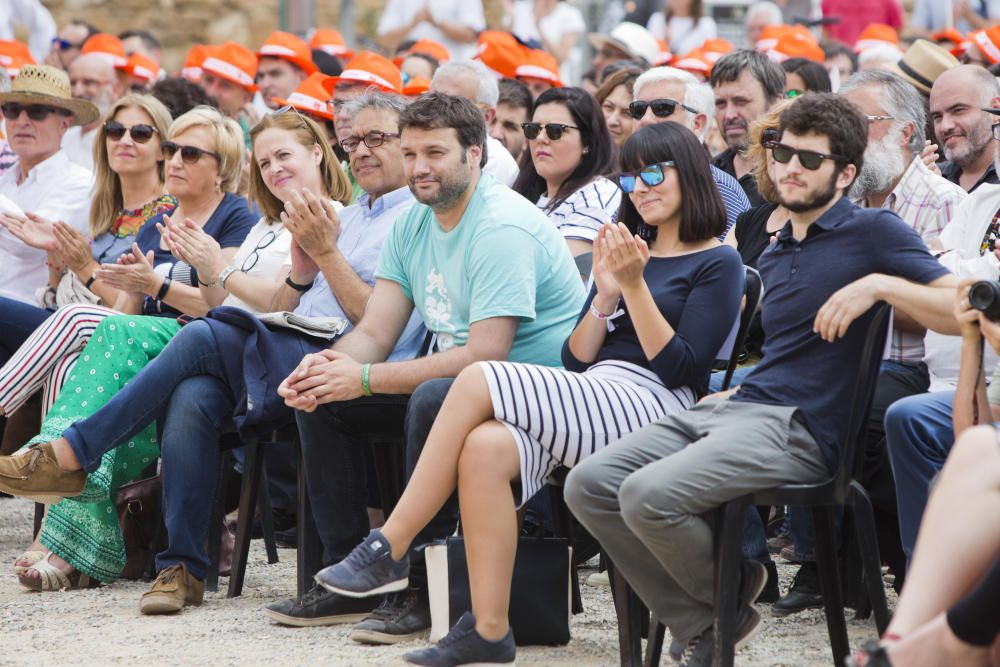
365	370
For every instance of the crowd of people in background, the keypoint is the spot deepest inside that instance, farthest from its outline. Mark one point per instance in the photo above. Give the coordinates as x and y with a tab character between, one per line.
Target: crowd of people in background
526	275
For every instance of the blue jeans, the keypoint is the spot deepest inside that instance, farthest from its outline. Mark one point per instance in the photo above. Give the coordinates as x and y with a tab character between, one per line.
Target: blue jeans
715	380
919	436
185	390
18	320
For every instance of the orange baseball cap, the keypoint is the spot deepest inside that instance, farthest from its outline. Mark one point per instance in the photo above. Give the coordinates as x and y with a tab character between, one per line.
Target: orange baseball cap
952	40
664	56
429	47
876	34
713	49
501	52
770	35
288	47
310	97
794	46
696	62
192	62
540	65
142	67
988	42
331	41
416	86
370	68
13	56
232	62
108	46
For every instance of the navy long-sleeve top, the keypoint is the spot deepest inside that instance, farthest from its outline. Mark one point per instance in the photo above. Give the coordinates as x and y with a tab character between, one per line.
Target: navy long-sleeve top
699	295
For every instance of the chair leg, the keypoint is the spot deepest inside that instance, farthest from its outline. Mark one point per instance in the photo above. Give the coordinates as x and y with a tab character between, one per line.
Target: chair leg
562	523
654	646
727	581
867	538
629	610
266	515
218	515
829	579
309	557
39	515
391	469
252	469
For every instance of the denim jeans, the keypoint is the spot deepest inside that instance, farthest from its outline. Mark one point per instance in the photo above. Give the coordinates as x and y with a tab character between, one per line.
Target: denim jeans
185	390
18	320
919	437
715	380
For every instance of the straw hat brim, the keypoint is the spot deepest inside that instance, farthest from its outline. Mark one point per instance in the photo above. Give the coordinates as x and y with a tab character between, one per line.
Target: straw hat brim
83	111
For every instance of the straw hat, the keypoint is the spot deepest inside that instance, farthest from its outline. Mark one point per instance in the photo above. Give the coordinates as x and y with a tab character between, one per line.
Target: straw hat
922	64
310	97
49	86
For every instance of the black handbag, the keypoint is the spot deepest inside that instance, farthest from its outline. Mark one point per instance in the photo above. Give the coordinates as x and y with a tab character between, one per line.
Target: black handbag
540	589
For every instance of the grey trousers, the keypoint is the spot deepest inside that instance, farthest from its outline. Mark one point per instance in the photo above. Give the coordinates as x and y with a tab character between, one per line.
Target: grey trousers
643	497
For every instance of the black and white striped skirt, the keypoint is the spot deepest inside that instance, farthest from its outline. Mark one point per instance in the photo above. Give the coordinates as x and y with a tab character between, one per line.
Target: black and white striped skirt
559	417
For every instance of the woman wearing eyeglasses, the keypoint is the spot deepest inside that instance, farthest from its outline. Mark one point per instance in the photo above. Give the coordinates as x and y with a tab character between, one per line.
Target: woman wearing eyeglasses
569	151
657	316
202	159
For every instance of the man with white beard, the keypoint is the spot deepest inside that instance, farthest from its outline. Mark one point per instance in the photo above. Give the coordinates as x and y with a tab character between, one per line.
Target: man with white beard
892	176
92	77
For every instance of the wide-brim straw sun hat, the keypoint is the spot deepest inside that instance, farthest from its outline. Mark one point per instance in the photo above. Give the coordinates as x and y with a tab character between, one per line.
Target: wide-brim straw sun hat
49	86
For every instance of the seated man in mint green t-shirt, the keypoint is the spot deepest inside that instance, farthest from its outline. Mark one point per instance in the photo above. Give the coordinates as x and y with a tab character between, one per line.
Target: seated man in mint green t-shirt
491	277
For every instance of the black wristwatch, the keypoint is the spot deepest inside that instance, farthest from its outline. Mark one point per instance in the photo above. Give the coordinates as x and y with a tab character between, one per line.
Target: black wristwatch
297	287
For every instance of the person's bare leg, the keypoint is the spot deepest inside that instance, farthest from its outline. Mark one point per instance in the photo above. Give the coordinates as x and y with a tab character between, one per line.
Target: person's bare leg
933	645
488	463
954	547
435	476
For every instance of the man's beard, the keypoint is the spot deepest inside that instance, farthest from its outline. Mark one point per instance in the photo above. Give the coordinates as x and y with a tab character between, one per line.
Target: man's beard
884	162
976	140
819	198
451	187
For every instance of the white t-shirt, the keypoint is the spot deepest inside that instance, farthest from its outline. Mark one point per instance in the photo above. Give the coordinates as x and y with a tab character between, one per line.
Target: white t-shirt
265	251
562	20
500	163
399	14
79	147
683	35
584	212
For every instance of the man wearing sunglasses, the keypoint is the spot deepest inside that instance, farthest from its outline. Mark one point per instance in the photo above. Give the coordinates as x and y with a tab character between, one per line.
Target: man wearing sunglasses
65	47
663	94
38	110
746	84
786	423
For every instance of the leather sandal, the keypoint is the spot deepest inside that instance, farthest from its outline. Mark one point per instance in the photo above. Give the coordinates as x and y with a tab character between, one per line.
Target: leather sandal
31	556
872	654
54	579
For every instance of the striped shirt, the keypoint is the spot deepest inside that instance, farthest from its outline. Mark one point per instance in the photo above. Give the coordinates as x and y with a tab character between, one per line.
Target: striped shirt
581	215
925	202
732	196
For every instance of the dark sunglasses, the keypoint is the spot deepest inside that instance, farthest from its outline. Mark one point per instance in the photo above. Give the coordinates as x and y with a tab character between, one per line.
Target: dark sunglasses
65	45
140	133
373	139
661	108
811	160
652	175
36	112
189	154
553	131
769	136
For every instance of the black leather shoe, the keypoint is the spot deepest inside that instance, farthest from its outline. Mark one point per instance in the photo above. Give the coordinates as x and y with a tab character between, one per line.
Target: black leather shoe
804	593
403	615
770	594
320	607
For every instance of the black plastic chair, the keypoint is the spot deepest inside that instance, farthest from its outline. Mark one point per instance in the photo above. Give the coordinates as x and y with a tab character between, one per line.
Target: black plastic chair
753	292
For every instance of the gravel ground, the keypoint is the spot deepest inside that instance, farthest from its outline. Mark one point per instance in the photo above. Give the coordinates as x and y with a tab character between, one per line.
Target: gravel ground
103	626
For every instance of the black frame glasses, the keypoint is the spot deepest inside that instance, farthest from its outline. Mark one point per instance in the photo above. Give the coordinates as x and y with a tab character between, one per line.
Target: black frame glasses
652	175
254	256
36	112
189	154
372	139
140	133
553	131
662	108
811	160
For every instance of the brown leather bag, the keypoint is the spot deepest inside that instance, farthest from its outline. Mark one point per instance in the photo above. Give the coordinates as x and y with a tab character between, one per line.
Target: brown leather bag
138	505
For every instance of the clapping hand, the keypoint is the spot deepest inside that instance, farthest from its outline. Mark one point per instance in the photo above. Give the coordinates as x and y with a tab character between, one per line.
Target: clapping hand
189	243
30	229
608	291
72	246
133	273
312	222
625	255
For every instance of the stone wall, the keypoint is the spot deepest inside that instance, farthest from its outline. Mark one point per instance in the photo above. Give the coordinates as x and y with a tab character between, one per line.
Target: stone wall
180	23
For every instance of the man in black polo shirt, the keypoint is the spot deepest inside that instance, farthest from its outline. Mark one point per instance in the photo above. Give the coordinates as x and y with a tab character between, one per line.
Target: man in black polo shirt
644	497
746	84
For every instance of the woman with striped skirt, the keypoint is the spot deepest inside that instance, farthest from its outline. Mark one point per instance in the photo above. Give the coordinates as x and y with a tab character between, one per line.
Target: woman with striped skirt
656	318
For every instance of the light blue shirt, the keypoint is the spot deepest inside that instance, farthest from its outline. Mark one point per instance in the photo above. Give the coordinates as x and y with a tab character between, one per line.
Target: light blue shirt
505	258
363	230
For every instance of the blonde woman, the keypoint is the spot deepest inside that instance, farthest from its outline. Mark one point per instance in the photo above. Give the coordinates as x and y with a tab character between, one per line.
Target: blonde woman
203	156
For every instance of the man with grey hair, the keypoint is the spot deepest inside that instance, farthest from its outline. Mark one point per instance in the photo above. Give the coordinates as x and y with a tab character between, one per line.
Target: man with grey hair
963	129
91	77
746	84
664	94
759	16
470	79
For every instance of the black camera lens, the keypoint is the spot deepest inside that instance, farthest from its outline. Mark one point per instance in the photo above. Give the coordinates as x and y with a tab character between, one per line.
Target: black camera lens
985	296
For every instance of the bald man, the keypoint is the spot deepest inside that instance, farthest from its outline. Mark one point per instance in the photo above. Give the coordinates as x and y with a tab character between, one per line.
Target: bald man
94	79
